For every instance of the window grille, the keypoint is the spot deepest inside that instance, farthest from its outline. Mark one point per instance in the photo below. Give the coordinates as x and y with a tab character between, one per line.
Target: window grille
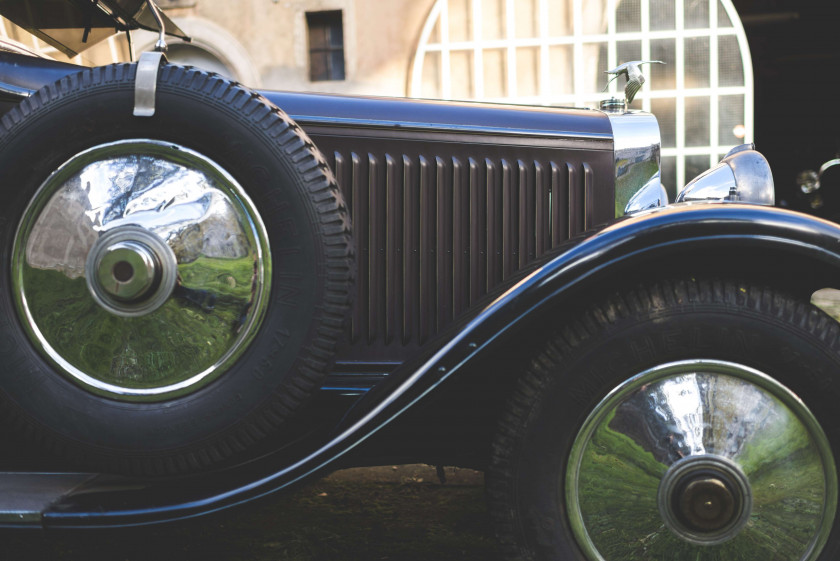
555	52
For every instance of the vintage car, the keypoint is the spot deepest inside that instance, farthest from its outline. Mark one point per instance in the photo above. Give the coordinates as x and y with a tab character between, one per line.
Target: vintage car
211	294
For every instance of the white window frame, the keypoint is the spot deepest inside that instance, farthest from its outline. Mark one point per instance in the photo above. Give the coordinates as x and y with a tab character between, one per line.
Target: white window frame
580	97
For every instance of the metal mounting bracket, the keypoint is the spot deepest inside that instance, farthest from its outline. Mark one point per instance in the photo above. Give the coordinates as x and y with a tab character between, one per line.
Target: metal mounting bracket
145	83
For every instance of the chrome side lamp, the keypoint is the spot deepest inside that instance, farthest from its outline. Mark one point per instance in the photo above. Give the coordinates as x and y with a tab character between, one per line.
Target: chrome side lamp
743	175
651	195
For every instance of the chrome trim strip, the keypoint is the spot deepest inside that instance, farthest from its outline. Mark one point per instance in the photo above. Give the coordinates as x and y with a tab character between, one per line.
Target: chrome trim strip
410	126
15	91
829	164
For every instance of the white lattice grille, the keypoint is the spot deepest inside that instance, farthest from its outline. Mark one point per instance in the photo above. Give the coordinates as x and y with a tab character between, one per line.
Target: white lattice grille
554	52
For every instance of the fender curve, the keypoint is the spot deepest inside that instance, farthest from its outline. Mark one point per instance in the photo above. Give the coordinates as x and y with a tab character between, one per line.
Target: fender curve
657	233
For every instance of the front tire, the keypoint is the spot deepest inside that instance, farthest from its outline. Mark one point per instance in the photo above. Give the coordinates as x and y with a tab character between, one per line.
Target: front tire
685	420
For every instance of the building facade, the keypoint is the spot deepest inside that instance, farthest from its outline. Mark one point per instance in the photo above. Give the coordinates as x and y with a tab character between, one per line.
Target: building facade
547	52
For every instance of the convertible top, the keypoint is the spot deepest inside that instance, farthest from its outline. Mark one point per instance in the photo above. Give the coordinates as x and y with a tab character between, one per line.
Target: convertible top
72	26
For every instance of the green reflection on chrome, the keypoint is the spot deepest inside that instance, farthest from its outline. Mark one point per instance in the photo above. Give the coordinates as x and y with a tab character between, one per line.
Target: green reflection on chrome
141	270
700	409
186	335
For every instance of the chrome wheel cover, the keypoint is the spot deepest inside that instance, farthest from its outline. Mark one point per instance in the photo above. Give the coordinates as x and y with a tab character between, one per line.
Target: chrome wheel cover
701	460
141	270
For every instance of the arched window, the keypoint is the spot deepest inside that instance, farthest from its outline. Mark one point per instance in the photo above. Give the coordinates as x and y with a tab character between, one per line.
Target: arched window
555	52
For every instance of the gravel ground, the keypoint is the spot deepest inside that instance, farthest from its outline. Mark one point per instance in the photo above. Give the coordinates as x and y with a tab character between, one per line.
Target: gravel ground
389	513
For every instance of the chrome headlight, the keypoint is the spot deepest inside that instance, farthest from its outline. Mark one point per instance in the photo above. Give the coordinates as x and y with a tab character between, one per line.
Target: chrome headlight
743	175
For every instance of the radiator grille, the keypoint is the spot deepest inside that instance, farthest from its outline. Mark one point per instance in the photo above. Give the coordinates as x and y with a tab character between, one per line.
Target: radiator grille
433	234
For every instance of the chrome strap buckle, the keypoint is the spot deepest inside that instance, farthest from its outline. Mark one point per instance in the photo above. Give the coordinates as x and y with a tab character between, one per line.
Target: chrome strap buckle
145	83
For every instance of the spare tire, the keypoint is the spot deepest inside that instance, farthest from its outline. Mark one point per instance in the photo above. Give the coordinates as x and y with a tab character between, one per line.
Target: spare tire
176	283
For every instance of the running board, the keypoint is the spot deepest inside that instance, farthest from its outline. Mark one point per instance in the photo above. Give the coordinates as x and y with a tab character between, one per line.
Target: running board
24	497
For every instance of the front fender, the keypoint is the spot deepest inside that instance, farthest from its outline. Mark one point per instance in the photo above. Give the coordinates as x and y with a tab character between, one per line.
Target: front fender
779	236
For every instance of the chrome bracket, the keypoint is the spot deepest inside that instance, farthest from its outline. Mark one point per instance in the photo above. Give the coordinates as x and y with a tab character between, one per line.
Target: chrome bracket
145	83
160	45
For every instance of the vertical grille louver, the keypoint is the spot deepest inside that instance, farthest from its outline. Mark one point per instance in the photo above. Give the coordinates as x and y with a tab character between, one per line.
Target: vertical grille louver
434	234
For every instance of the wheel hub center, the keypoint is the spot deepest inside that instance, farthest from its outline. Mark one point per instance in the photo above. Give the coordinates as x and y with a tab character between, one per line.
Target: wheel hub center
705	499
706	503
130	271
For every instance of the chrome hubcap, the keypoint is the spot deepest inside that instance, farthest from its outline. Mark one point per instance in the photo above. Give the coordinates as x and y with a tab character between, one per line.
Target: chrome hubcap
701	460
141	270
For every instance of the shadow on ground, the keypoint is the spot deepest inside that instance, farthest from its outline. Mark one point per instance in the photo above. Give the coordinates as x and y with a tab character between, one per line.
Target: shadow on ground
401	514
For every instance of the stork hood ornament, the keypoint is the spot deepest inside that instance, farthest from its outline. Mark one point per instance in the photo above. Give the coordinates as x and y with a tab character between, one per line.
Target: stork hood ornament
634	76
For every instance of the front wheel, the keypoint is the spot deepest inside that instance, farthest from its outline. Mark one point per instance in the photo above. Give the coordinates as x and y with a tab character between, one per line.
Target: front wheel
686	420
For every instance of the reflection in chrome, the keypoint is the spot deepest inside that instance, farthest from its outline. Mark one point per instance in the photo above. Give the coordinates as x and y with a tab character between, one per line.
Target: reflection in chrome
701	460
705	499
827	166
811	182
743	175
130	271
652	195
637	149
141	269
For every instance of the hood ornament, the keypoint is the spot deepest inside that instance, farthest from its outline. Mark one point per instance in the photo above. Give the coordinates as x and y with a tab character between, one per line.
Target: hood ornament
634	76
